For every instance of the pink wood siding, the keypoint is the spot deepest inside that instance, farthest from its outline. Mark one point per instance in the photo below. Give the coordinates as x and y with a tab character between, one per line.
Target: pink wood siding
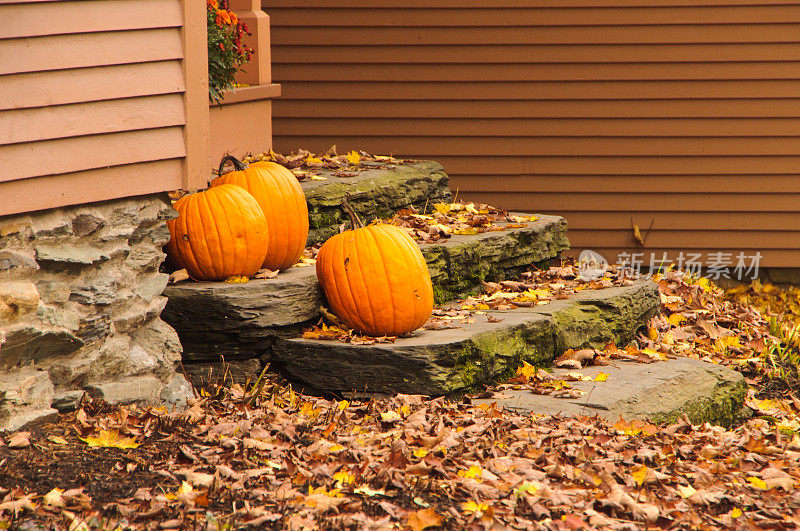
94	100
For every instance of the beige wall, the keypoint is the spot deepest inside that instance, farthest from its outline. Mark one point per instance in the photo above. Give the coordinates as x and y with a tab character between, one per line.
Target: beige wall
95	98
683	113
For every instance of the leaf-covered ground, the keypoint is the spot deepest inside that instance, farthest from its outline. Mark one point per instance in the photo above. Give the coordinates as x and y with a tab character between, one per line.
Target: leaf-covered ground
266	457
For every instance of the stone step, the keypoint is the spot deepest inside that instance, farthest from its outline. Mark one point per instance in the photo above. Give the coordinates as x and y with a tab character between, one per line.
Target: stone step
656	392
241	320
459	264
438	362
374	193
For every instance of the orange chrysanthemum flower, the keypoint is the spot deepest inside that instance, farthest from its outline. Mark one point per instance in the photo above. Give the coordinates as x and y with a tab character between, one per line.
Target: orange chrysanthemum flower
213	4
223	16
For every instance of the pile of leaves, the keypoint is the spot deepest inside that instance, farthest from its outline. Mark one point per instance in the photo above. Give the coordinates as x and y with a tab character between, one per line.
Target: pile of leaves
308	166
271	458
456	218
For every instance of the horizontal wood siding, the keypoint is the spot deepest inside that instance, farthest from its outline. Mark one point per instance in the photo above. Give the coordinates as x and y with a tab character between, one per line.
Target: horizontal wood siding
680	113
92	102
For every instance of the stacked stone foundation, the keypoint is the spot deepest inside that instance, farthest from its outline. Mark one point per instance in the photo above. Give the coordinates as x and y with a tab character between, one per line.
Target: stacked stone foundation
80	300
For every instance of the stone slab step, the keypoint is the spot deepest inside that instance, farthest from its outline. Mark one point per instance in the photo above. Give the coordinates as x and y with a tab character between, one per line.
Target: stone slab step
438	362
241	320
374	193
458	264
657	392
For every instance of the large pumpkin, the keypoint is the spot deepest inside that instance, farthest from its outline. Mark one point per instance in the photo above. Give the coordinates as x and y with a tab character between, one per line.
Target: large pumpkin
376	279
218	233
284	204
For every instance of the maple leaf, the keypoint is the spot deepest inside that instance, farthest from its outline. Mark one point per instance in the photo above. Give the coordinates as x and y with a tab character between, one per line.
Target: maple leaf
473	507
423	519
54	497
322	502
111	439
21	504
474	472
353	158
527	370
601	377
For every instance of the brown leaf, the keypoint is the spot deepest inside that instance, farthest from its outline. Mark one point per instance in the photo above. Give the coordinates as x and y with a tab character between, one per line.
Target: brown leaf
20	439
178	276
423	519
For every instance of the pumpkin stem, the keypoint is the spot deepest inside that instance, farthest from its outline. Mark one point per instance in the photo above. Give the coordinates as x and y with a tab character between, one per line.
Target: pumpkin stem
238	165
355	221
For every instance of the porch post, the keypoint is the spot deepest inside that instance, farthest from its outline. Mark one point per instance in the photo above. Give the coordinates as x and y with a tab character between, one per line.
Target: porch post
195	72
257	71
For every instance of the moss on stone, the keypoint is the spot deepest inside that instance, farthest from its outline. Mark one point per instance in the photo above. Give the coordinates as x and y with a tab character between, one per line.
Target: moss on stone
722	407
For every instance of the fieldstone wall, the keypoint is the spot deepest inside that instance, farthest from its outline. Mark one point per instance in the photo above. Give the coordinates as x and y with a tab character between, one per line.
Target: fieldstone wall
80	299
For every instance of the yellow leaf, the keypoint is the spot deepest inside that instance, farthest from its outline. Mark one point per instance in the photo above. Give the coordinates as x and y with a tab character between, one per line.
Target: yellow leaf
527	370
442	208
343	478
640	474
111	439
758	483
405	411
390	416
237	279
308	410
472	507
421	452
305	262
343	404
730	341
637	235
313	160
473	472
686	490
336	448
602	377
353	158
654	354
652	333
735	513
676	319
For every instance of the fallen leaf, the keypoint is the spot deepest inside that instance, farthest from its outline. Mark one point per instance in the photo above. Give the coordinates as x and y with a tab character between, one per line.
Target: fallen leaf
111	439
423	519
178	276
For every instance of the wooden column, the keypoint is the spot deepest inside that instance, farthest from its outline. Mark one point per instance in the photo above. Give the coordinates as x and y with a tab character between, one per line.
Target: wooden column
195	71
257	71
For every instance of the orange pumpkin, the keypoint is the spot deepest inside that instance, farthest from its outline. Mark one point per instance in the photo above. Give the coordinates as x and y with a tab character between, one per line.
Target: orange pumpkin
218	233
375	279
284	204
